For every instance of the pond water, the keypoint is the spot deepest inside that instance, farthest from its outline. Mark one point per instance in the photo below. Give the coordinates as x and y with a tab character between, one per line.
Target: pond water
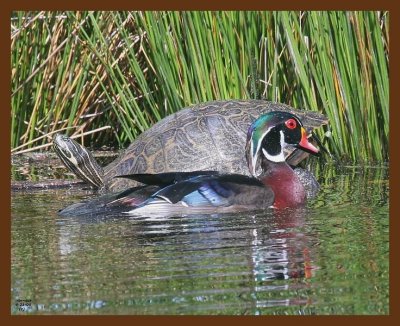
330	257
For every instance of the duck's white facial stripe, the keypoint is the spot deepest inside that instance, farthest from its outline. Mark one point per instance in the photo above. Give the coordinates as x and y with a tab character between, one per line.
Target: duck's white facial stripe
254	155
280	157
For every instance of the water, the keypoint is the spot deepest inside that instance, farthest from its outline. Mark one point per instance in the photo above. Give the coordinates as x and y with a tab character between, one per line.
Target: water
331	257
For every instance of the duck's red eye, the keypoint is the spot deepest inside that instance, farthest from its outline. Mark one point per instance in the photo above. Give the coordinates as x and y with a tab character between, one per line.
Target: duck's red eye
291	123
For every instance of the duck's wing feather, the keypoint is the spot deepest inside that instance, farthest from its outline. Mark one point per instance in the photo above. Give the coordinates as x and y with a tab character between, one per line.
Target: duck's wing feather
216	190
198	193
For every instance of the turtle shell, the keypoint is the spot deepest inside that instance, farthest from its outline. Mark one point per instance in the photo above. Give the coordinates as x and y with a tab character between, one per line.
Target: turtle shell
206	136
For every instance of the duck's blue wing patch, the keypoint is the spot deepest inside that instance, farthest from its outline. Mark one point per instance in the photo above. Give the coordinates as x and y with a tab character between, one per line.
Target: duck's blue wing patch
210	193
196	199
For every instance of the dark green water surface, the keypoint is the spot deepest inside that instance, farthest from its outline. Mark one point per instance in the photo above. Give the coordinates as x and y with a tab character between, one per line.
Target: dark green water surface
331	257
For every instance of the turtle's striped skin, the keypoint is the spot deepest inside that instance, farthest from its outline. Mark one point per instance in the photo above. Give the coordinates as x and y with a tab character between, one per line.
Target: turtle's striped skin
207	136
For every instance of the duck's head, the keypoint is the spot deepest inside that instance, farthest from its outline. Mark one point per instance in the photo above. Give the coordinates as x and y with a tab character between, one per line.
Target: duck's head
270	134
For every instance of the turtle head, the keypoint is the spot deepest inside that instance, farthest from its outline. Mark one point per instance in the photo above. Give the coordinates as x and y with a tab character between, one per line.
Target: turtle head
78	160
270	134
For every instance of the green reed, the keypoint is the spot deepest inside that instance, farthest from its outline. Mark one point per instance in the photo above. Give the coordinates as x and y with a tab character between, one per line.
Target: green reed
127	70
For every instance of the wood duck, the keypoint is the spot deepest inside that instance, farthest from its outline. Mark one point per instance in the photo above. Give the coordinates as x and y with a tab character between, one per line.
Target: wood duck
277	185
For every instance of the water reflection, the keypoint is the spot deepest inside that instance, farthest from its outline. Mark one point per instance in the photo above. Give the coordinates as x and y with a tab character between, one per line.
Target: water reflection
279	250
250	252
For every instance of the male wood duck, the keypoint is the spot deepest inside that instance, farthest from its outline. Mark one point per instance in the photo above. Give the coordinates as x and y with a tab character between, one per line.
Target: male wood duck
277	186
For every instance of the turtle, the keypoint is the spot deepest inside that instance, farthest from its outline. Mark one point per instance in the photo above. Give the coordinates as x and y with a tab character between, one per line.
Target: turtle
206	136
